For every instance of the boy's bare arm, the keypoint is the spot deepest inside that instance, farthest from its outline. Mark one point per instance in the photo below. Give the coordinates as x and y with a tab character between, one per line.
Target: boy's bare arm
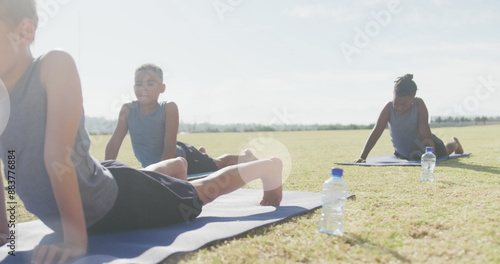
424	131
60	78
171	129
116	140
377	131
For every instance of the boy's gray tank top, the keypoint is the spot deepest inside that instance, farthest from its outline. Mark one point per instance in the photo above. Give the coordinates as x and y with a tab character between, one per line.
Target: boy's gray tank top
24	138
404	130
147	133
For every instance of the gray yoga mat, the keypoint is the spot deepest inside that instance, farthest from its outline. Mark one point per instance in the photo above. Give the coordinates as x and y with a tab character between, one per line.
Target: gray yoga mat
228	216
392	160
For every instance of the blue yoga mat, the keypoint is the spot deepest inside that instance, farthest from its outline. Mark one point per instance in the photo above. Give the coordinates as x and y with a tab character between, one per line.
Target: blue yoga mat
392	160
198	175
228	216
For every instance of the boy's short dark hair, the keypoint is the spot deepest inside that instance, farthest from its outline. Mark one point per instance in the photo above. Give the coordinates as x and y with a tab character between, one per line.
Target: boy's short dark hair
151	67
405	86
16	10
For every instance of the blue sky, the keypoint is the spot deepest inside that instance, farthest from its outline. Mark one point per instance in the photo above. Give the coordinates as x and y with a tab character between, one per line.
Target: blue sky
283	61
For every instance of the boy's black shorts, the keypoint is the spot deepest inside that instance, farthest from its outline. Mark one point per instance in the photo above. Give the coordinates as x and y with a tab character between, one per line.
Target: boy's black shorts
197	162
147	199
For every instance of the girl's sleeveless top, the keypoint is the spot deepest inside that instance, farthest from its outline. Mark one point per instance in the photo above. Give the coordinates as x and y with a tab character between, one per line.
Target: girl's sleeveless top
404	130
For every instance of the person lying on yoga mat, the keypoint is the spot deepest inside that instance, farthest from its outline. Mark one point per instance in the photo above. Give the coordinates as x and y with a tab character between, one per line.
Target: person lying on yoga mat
45	154
153	128
407	117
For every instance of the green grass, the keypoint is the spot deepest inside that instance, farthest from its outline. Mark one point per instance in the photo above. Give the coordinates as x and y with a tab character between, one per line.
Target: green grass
395	218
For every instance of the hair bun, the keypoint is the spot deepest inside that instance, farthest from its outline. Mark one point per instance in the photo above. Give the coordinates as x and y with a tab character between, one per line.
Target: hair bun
408	77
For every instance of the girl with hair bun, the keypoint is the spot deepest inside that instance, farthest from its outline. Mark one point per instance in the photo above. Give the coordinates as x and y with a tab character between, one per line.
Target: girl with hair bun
407	117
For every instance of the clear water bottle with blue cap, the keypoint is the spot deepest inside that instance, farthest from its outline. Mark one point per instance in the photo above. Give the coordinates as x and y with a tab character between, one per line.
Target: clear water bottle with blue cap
334	197
428	163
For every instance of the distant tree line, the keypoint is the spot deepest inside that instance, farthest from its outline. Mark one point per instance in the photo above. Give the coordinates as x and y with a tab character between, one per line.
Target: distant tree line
99	125
207	127
457	120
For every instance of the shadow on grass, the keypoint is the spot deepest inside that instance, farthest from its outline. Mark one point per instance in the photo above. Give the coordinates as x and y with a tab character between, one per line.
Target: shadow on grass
452	183
457	163
348	238
353	239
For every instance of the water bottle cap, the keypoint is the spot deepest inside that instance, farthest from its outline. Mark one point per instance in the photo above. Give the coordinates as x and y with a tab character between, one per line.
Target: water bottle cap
337	172
429	149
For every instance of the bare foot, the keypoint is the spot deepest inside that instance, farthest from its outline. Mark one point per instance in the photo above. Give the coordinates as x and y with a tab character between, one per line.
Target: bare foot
459	149
202	150
273	190
247	157
272	198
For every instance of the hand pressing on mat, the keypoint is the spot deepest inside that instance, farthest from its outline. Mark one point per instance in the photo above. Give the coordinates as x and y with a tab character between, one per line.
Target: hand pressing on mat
360	160
59	253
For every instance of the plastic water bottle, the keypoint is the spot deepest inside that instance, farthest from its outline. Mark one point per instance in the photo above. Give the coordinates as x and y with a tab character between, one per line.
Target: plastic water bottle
428	163
334	196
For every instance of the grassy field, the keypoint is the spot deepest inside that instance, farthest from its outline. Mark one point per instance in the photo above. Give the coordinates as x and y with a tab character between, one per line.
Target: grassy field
395	218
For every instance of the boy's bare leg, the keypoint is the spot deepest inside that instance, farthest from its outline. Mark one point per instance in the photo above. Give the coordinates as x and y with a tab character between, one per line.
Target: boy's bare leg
176	168
234	177
232	159
454	146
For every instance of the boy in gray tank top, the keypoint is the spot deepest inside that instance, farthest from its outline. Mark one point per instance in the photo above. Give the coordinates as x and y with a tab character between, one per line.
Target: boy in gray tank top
44	150
407	117
153	128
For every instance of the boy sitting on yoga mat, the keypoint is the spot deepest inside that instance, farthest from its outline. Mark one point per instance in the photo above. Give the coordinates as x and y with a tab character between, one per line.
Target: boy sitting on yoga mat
45	153
407	117
153	129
